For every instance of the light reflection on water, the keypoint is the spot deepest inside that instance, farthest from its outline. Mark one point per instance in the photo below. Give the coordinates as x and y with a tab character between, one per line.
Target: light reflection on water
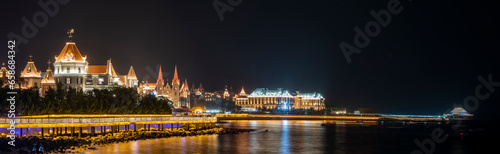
284	139
282	136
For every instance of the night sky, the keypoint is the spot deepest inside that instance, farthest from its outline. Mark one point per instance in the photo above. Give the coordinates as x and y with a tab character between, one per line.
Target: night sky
427	58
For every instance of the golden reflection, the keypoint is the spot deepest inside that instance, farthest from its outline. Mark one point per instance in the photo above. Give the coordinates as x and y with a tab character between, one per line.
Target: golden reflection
288	136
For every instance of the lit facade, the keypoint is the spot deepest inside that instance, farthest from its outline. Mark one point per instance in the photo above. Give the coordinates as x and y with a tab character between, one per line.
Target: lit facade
31	77
48	81
197	95
72	70
241	99
147	88
282	99
4	75
314	100
176	92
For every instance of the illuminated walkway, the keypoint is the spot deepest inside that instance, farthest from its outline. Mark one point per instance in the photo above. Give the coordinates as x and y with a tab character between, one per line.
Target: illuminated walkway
321	117
54	124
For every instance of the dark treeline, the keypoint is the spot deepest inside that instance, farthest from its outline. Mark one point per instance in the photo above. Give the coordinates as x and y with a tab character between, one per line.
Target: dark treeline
117	100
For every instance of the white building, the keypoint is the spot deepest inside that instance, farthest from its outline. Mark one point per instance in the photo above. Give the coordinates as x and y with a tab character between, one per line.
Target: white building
72	70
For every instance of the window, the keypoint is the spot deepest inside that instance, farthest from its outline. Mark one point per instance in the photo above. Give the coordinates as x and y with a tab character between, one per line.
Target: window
89	81
100	81
79	80
67	69
79	70
68	80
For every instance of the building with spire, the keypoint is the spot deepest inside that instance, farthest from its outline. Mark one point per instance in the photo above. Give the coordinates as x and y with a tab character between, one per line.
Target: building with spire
4	75
176	91
48	81
72	70
226	94
184	98
70	67
132	81
147	88
31	77
241	99
197	95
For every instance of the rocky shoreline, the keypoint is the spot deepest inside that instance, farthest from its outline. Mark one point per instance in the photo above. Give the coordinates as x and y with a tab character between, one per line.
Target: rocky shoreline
67	144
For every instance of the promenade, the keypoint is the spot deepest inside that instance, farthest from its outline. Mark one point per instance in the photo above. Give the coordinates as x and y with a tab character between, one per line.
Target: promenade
324	117
76	124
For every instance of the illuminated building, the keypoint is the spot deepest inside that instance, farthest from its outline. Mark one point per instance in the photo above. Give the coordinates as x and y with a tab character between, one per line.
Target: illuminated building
72	70
70	67
132	78
4	75
31	77
282	99
175	89
242	99
309	100
263	98
226	95
208	100
458	112
212	101
48	80
197	96
147	88
176	92
184	98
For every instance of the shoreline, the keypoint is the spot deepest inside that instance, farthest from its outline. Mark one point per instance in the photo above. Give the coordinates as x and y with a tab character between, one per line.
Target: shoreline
75	144
223	117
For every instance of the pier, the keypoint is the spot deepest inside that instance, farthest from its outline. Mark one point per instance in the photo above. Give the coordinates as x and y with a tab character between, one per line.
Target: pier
328	117
90	124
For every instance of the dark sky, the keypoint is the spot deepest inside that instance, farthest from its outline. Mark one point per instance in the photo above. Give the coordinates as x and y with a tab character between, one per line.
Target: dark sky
427	59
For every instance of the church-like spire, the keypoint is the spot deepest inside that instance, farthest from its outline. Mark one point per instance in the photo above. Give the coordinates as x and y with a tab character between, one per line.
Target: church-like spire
201	86
131	73
49	65
176	78
48	77
30	70
160	78
242	91
186	84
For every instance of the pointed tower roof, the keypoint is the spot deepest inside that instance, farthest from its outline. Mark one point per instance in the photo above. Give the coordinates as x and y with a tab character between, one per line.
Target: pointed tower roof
242	91
70	53
30	70
201	86
192	87
131	73
185	85
167	85
176	78
110	69
113	73
3	71
160	77
48	77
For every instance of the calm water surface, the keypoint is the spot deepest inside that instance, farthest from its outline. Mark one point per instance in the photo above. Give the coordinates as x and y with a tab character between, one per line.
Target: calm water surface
290	136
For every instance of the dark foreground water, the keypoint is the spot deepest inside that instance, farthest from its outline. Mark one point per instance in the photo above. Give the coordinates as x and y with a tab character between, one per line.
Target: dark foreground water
291	136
